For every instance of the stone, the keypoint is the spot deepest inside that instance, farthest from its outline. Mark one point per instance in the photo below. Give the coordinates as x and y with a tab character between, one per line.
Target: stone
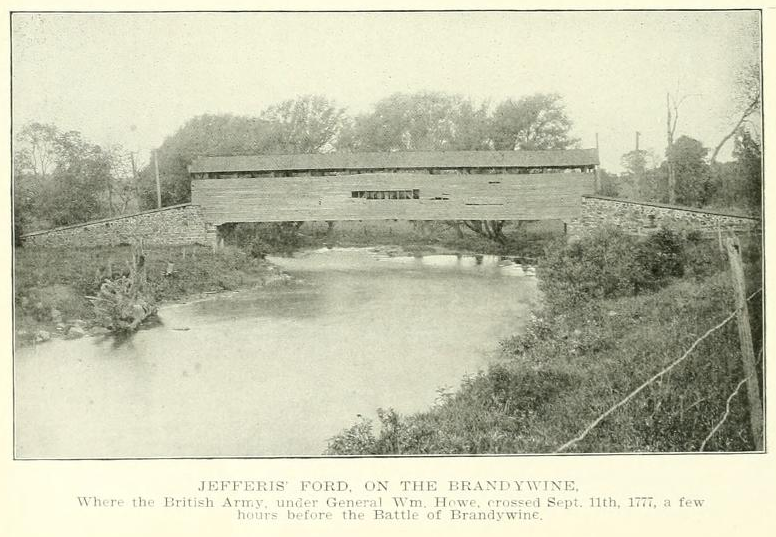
75	332
56	315
182	224
41	336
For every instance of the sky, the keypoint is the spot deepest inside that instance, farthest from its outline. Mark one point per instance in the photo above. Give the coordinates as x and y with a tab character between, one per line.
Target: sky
134	79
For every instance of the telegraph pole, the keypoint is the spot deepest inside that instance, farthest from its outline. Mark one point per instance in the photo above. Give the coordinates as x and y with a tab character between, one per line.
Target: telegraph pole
158	187
597	186
669	160
134	177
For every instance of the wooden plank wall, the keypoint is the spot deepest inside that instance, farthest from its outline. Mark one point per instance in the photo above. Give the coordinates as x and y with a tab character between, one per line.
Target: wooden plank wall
470	197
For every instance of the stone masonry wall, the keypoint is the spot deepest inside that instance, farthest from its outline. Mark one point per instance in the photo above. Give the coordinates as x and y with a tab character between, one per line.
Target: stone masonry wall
641	218
178	224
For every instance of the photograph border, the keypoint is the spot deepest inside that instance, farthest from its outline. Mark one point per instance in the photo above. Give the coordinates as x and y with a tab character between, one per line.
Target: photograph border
758	10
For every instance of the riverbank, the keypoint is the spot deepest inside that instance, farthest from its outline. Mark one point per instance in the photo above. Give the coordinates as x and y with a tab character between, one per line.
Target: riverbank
581	355
51	285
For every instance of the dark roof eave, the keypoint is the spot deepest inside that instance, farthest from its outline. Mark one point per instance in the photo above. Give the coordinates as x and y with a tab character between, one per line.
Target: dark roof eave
397	160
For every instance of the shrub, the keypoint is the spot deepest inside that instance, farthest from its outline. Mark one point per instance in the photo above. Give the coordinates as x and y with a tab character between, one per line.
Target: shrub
661	256
604	264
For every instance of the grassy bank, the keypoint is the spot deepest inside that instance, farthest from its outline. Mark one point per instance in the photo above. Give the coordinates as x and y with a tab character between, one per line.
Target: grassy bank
586	350
51	284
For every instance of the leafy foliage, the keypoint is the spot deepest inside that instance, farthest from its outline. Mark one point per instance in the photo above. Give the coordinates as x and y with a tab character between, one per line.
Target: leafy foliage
205	135
610	264
60	178
308	124
601	265
537	121
421	121
693	184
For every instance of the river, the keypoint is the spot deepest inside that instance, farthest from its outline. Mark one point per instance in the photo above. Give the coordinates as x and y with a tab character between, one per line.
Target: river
274	371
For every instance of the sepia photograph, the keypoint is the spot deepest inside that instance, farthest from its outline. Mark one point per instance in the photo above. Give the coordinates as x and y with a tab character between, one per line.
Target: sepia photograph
355	234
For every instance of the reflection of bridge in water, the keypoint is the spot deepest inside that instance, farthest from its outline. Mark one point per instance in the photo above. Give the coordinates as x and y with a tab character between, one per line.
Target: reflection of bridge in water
447	185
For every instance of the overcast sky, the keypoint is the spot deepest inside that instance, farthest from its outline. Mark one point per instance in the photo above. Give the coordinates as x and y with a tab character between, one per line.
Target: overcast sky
102	74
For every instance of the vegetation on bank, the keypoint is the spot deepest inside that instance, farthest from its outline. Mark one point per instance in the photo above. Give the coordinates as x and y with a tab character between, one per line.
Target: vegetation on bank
52	284
526	239
617	310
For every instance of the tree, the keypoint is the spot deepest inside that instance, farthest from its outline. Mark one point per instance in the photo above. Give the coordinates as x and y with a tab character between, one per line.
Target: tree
537	121
673	104
635	162
749	104
693	184
59	178
308	124
423	121
304	125
205	135
79	181
749	168
37	146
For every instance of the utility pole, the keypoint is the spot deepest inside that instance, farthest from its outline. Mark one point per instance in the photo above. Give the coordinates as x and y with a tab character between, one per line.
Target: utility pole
158	187
669	160
134	177
597	185
637	140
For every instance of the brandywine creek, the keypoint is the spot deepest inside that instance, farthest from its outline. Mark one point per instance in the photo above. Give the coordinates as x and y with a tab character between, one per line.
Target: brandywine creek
274	371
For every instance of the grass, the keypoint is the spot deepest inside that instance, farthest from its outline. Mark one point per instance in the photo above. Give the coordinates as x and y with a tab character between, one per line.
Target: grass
62	278
572	364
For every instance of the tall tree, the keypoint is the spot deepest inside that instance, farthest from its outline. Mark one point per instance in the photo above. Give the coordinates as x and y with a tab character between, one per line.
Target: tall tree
205	135
635	162
79	181
749	170
423	121
693	181
60	178
673	105
749	106
537	121
308	124
37	143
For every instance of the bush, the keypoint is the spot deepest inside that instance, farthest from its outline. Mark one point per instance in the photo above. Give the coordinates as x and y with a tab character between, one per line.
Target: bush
611	264
661	256
604	264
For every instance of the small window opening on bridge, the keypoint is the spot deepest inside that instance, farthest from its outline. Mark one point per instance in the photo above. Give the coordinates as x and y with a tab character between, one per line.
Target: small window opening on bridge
386	194
494	182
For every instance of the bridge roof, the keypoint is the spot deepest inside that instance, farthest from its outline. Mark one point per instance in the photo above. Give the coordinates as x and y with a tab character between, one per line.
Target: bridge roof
398	159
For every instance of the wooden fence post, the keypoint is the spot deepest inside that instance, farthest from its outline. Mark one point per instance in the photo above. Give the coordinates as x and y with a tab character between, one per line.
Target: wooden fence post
745	336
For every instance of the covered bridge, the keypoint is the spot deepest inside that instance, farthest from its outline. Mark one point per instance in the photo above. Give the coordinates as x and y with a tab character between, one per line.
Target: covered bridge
423	185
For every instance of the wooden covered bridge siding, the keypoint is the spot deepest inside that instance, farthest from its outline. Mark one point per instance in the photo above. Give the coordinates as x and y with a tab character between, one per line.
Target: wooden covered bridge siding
448	185
410	197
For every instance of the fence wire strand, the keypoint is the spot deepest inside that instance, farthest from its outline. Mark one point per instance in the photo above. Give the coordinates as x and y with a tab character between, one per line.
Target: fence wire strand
649	381
725	415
